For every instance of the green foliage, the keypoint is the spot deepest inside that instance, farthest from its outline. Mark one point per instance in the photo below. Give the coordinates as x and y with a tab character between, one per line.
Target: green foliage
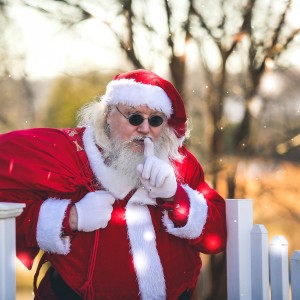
69	94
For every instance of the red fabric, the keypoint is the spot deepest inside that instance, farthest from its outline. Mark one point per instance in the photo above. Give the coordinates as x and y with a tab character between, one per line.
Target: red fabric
59	168
179	209
178	118
66	224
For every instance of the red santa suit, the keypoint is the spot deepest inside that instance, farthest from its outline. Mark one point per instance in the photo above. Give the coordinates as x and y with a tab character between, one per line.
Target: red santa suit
142	252
149	249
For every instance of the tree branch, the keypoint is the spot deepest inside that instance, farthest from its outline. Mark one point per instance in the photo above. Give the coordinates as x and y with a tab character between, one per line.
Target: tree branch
279	27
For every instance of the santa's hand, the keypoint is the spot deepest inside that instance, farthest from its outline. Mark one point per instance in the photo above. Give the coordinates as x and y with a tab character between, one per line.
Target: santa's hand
156	176
94	210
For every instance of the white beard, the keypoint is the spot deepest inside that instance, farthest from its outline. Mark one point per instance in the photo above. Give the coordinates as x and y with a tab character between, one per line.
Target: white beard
125	161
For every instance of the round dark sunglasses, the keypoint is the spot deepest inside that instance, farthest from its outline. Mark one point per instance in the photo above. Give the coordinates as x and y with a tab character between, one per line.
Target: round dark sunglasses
137	119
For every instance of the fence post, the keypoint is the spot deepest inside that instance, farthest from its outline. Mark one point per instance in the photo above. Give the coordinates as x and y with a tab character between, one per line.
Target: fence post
8	213
295	275
239	215
260	263
279	270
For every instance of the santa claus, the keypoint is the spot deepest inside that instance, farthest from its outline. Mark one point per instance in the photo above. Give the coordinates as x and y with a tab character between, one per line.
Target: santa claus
118	205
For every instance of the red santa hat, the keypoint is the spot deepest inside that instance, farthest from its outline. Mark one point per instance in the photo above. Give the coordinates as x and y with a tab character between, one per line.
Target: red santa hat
143	87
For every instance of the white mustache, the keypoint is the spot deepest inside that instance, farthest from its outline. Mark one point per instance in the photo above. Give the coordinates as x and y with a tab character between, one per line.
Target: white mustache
140	138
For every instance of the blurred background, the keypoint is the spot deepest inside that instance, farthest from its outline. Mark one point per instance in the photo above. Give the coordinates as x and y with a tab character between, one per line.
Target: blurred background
235	62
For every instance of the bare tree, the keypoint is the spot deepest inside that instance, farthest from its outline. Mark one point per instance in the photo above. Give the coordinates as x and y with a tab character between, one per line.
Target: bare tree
240	29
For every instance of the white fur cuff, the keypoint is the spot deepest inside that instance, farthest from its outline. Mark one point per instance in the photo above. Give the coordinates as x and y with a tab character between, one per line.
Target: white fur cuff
49	227
196	219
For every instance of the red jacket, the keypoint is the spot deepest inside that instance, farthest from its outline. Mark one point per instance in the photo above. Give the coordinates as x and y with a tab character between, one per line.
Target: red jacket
155	257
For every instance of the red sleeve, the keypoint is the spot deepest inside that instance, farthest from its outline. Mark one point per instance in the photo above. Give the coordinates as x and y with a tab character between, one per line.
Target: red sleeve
26	223
178	210
213	236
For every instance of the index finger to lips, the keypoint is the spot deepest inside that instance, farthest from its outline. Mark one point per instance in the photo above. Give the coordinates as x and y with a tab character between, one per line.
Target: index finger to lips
148	147
147	168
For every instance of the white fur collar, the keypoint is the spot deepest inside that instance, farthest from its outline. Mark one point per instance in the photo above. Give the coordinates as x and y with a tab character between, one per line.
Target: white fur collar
118	185
146	260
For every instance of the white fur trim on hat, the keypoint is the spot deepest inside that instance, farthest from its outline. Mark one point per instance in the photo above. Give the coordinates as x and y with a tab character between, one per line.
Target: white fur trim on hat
49	226
130	92
196	219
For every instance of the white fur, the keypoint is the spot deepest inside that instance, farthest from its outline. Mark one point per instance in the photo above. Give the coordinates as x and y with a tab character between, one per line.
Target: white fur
142	238
49	226
130	92
181	141
141	197
119	186
196	219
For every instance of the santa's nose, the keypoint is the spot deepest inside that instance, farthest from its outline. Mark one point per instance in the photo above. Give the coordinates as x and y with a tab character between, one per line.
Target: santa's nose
144	127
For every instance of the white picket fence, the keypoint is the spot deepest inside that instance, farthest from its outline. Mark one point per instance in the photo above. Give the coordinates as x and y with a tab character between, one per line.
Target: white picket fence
255	270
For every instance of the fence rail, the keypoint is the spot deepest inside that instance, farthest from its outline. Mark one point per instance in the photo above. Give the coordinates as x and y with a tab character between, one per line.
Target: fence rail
255	269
